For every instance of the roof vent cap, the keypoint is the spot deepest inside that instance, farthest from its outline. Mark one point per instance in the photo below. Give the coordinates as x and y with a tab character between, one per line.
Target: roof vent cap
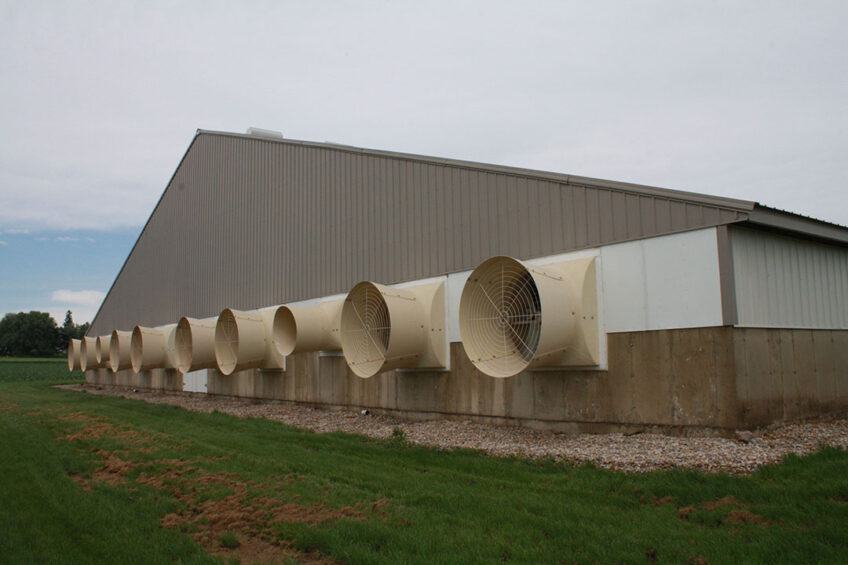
259	132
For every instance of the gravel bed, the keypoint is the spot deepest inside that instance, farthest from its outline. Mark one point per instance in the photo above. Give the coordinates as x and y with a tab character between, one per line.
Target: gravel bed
621	452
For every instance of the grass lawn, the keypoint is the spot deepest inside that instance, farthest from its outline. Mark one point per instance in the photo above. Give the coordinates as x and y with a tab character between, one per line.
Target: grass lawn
93	479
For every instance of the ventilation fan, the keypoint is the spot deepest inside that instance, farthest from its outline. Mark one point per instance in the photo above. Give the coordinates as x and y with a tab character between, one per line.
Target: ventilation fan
101	350
88	359
307	328
385	328
119	351
514	316
243	341
152	348
194	344
74	355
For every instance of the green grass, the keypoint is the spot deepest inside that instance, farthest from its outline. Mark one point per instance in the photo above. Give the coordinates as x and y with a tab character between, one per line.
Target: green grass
37	369
404	504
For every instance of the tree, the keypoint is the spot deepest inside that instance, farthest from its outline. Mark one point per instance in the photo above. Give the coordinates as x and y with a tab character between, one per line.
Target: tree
69	321
28	334
69	331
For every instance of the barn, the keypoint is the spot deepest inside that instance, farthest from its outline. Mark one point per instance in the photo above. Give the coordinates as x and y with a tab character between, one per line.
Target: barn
425	287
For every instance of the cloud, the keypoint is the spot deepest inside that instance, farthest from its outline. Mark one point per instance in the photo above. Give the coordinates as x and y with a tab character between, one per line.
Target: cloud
91	298
81	314
3	242
749	106
66	238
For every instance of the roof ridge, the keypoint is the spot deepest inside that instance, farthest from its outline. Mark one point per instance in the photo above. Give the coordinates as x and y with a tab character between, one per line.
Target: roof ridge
645	190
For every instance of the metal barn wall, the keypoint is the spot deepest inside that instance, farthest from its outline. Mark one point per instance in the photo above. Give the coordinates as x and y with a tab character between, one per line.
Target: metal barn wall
785	282
247	222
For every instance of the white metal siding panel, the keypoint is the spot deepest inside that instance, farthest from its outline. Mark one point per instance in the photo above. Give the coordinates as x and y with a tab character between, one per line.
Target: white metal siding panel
785	282
662	283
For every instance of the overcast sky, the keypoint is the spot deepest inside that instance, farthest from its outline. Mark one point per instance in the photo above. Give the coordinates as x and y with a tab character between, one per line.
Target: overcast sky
99	101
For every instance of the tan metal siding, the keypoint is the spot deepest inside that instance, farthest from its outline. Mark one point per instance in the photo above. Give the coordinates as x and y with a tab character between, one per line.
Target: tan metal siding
247	223
785	282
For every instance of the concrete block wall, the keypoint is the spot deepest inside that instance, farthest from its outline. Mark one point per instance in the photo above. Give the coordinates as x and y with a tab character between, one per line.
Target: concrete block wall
696	380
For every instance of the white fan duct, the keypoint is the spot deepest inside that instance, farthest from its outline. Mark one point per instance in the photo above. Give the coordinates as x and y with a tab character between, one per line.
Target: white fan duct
152	348
119	351
243	340
515	316
74	355
101	350
88	357
308	328
194	343
385	328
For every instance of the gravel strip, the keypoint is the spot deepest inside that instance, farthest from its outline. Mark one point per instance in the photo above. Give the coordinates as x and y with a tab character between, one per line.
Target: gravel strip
617	451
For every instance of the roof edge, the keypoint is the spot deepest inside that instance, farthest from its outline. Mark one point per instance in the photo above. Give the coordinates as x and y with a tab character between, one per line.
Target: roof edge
681	195
789	222
143	229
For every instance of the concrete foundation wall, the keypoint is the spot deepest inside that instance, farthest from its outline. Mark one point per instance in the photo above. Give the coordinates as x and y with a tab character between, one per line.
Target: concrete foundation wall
784	375
703	380
156	379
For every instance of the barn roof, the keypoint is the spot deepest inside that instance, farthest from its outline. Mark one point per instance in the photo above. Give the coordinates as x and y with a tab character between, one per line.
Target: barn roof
253	220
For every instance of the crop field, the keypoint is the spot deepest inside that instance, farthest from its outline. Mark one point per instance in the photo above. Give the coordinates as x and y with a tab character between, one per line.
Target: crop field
96	479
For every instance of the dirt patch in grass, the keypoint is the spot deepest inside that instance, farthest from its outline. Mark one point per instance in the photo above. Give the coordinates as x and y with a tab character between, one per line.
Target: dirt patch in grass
212	503
737	516
112	471
8	407
684	512
257	550
744	517
95	428
250	517
724	501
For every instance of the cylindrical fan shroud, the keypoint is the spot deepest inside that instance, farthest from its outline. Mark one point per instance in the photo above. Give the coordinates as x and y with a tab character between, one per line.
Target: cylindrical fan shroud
149	348
119	350
194	344
514	316
101	349
307	328
242	340
382	328
74	355
88	357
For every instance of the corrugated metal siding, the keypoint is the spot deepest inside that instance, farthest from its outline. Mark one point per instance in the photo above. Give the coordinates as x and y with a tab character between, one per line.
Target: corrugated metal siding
784	282
247	222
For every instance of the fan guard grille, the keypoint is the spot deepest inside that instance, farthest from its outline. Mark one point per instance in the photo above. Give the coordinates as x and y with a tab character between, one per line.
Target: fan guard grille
501	317
226	342
366	330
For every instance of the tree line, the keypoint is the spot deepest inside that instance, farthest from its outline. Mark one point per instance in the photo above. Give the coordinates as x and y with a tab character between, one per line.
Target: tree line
36	334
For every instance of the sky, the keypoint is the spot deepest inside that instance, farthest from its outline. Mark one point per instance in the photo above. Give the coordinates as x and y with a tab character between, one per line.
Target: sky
99	101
